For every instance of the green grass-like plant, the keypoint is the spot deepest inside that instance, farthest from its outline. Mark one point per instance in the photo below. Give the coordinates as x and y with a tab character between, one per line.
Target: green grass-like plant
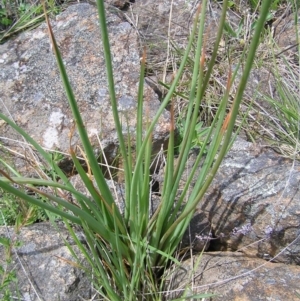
129	252
17	16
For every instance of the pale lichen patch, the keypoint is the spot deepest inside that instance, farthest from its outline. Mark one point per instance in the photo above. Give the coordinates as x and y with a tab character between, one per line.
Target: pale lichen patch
51	134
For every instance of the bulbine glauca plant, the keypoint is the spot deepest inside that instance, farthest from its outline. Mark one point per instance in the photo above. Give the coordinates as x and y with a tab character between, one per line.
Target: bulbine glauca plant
129	250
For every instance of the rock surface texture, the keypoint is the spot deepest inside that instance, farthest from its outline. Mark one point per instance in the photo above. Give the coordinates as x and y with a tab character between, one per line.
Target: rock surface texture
43	265
253	204
234	277
32	94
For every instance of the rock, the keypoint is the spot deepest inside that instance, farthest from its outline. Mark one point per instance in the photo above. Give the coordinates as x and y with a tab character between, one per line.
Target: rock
232	276
285	34
253	204
32	92
43	265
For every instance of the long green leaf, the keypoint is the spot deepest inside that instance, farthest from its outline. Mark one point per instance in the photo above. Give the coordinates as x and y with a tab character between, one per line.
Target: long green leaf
111	88
99	178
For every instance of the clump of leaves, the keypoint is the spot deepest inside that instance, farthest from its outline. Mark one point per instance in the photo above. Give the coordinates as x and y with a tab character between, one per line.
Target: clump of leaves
130	250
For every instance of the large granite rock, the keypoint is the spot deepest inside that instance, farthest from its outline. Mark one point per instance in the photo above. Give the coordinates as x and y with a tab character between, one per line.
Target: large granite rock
234	277
31	89
44	266
253	204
